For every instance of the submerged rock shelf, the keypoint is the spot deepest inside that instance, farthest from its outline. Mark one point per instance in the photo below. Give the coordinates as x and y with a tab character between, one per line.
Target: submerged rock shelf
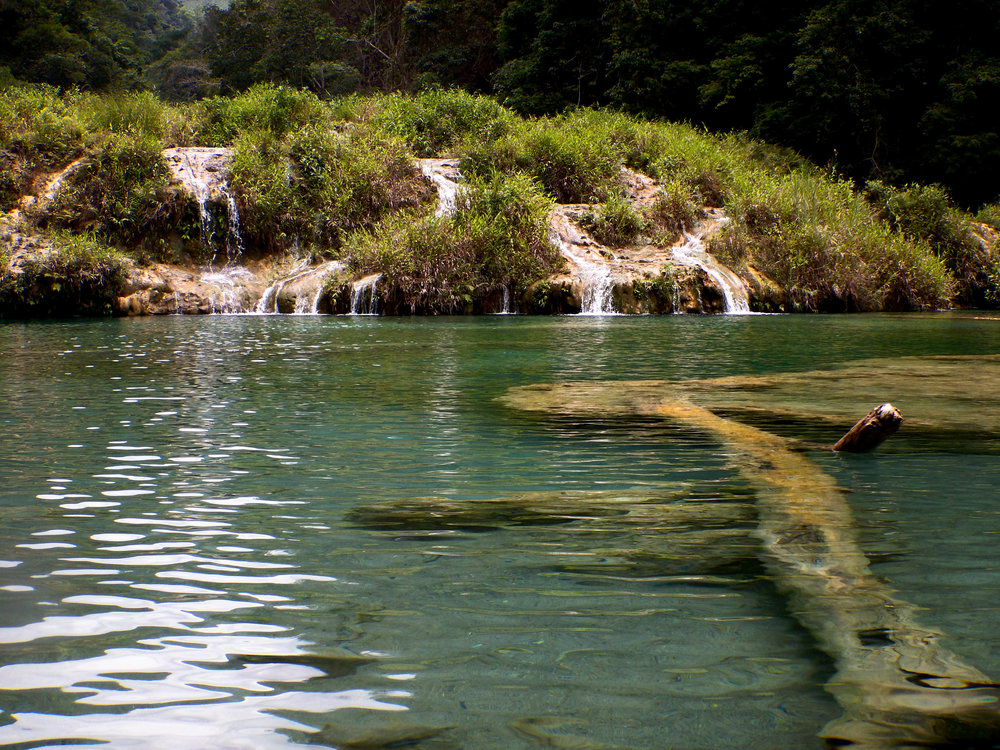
897	683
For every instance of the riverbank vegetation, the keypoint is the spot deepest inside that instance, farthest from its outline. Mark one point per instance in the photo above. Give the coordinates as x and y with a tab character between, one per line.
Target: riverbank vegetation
337	178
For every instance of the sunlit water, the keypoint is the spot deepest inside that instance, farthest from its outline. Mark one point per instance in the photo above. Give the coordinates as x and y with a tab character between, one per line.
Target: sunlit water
200	549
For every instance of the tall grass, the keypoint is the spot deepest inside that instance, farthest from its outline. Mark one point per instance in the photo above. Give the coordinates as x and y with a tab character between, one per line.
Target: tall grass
39	129
264	108
318	185
497	239
140	113
438	121
80	276
119	194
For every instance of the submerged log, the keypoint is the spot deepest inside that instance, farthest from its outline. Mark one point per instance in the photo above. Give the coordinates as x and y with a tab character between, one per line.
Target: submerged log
880	423
898	685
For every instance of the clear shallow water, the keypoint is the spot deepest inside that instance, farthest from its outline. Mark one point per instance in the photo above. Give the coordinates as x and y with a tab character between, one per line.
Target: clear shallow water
202	544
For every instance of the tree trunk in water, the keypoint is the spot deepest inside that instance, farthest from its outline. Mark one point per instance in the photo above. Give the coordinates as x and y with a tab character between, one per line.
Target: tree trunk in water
898	687
879	424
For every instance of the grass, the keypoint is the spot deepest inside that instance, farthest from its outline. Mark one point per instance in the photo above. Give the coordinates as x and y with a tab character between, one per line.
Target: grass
120	194
319	186
498	238
439	121
79	276
264	108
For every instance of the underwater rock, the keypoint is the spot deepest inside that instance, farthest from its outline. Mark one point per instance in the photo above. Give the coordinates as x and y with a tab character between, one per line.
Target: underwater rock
896	683
368	730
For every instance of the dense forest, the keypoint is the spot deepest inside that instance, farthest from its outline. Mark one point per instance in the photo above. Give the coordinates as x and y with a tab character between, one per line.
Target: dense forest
895	90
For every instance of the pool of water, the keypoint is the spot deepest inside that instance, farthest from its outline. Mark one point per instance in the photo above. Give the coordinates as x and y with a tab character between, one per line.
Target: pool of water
255	532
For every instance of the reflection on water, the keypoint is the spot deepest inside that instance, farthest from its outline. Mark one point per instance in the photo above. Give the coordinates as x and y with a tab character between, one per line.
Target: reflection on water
247	532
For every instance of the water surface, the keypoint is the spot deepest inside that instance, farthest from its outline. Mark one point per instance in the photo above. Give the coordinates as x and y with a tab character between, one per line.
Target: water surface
255	532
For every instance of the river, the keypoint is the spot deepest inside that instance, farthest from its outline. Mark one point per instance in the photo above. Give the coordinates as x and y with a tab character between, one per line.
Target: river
263	531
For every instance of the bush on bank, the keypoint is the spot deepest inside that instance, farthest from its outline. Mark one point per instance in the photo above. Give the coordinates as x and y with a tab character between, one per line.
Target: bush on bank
497	239
77	276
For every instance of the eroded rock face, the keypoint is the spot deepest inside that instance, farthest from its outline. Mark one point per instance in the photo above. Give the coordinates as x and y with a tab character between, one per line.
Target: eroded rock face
596	279
163	289
640	278
204	172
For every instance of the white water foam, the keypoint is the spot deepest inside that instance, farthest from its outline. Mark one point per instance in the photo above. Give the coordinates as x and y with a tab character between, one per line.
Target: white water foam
364	300
204	172
734	290
442	173
595	276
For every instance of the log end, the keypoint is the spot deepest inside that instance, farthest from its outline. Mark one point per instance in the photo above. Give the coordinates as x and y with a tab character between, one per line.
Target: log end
881	422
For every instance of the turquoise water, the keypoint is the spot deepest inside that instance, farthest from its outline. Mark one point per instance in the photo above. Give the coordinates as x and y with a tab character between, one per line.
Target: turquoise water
241	532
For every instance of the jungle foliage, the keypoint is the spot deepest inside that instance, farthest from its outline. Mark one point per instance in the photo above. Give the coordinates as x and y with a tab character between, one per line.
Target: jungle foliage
898	91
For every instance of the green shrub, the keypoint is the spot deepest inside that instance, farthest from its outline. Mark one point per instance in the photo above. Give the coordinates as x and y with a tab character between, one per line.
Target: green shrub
318	186
120	193
990	215
823	243
277	110
575	161
40	125
926	212
498	238
437	120
615	222
79	276
140	113
673	212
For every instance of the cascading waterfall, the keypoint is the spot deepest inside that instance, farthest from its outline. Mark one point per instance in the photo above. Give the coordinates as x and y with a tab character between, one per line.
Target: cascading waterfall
596	298
268	302
445	175
306	281
594	276
364	300
204	171
234	239
230	283
694	255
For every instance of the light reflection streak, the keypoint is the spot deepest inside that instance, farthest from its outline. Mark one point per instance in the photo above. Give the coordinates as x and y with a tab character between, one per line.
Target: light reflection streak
148	614
157	560
247	724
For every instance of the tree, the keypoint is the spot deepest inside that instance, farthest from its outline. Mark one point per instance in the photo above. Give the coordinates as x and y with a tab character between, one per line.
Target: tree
555	55
90	43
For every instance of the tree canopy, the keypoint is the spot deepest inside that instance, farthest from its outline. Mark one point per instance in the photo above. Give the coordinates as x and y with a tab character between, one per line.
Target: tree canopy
897	90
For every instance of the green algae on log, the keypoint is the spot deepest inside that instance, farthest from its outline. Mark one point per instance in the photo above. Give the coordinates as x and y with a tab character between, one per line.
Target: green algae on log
896	684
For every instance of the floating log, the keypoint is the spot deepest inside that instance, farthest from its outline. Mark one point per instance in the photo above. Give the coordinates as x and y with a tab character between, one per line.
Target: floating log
880	423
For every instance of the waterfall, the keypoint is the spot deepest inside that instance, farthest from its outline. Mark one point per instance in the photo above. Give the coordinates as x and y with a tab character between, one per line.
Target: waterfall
444	174
590	269
694	255
268	302
305	282
204	172
364	301
229	298
234	240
